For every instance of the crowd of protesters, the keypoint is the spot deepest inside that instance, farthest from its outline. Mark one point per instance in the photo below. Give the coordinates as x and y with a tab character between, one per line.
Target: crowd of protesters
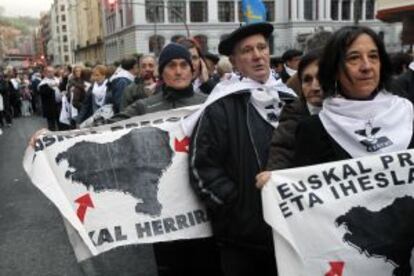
244	133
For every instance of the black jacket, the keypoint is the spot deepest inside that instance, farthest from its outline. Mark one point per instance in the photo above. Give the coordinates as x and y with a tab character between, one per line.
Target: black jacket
282	149
228	149
404	85
50	107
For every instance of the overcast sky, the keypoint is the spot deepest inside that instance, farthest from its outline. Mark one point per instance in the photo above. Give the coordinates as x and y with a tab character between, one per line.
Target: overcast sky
25	7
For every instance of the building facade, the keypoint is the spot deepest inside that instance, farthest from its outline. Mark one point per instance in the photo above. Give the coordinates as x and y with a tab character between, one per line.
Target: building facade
399	11
59	47
87	39
145	26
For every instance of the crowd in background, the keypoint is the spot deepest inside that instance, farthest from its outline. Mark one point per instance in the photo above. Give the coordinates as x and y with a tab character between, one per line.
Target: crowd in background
80	90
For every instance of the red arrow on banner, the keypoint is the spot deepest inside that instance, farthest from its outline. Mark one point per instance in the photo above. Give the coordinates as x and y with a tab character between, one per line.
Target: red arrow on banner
336	269
181	145
84	201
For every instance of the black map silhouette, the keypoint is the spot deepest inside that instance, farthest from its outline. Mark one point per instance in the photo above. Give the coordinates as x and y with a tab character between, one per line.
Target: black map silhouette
132	164
388	233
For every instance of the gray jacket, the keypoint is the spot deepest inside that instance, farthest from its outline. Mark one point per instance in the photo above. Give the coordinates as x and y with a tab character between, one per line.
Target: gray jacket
168	98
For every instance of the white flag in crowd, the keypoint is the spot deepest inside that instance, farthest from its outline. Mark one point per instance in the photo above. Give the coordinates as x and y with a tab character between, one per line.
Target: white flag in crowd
121	184
347	218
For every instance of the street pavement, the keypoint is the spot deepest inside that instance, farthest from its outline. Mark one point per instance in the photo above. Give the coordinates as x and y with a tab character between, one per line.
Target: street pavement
33	239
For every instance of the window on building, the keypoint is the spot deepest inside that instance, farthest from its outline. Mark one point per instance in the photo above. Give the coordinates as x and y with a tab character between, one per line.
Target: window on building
57	29
308	13
129	13
57	18
62	7
65	48
64	28
110	23
63	17
66	58
226	11
240	12
156	42
270	10
202	42
370	7
176	38
334	10
198	11
65	38
271	44
358	9
176	11
121	17
346	9
154	11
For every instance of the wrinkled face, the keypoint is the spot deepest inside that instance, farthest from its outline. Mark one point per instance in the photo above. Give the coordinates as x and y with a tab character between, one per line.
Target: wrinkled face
97	76
251	58
362	63
310	84
177	74
196	61
147	67
293	63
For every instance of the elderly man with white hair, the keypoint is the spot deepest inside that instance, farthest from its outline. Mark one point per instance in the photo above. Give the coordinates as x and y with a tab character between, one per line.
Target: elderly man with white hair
229	147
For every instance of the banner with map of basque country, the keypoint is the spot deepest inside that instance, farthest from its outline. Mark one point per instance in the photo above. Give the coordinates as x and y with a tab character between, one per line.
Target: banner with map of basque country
347	218
121	184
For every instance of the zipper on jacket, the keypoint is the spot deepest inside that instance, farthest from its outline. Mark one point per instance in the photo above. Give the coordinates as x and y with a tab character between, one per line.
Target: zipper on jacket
251	138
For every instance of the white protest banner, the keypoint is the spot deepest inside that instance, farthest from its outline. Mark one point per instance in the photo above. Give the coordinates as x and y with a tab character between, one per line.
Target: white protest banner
347	218
121	184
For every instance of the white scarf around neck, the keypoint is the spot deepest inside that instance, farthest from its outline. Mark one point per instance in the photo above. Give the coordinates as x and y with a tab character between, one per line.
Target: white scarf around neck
99	93
234	84
265	99
289	70
381	125
51	82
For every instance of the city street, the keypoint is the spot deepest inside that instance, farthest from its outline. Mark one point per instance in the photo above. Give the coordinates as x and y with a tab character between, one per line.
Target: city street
33	240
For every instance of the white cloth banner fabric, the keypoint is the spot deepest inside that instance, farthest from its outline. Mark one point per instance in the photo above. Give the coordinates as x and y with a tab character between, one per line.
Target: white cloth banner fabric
120	184
347	218
1	103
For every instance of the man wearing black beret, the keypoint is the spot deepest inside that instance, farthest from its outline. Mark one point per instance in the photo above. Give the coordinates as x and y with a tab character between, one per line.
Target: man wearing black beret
229	147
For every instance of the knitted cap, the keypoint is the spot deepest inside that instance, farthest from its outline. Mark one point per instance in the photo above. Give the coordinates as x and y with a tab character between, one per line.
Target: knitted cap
170	52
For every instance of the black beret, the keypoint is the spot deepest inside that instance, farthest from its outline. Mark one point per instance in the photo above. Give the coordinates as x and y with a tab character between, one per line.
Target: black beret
291	53
214	58
226	46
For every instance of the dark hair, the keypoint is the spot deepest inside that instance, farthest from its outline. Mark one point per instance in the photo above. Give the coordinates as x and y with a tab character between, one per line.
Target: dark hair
291	53
307	59
86	74
128	63
276	60
334	54
190	43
